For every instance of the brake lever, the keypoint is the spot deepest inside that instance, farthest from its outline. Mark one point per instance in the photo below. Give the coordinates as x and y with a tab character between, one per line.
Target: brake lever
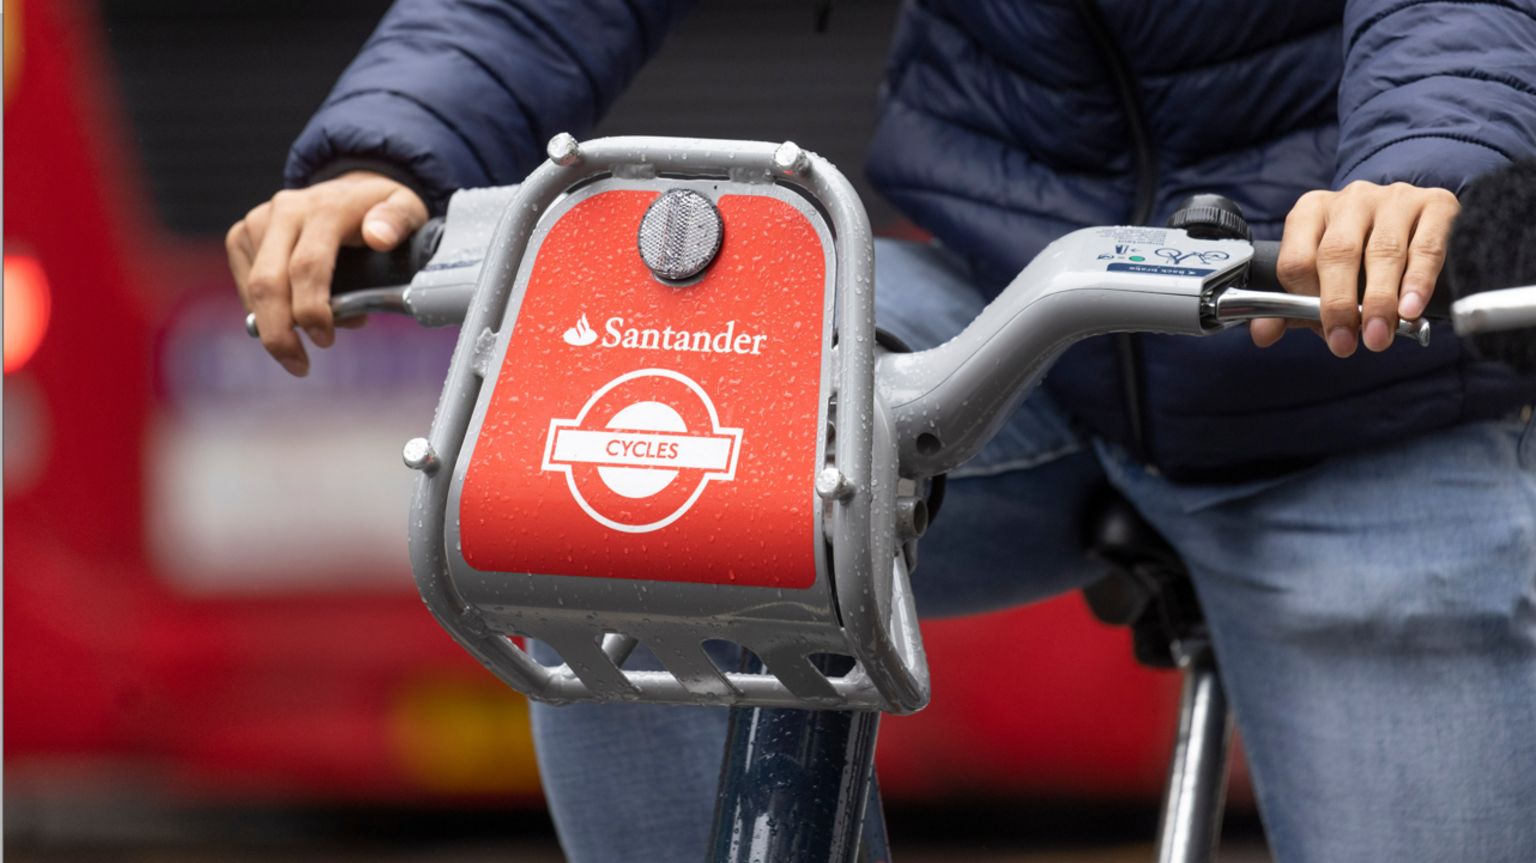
1234	305
354	305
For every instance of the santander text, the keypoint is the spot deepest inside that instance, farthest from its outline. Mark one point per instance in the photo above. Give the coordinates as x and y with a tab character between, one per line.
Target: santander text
726	341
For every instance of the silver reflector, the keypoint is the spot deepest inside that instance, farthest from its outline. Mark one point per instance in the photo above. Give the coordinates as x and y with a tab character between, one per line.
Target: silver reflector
680	235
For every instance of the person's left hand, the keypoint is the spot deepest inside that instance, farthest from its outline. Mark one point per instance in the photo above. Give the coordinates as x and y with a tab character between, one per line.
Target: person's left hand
1400	233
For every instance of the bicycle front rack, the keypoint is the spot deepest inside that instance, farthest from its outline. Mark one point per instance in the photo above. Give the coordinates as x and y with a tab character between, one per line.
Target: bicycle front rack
660	427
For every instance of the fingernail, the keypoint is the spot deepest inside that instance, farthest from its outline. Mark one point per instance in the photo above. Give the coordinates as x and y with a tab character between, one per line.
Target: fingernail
1341	341
320	337
1411	304
297	368
1378	336
382	230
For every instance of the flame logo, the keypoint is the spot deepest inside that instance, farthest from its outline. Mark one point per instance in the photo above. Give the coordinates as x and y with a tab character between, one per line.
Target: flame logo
580	335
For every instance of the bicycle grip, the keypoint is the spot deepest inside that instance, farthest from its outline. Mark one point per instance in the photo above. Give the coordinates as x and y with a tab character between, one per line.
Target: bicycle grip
1266	255
366	281
362	268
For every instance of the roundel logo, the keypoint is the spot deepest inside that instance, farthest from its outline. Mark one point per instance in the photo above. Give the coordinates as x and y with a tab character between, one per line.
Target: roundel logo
642	450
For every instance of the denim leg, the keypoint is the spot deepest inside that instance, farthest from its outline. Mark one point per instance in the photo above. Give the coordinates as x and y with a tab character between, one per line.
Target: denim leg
637	782
631	782
1375	621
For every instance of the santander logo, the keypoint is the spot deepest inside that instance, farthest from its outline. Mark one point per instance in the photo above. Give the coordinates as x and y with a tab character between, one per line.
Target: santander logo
617	334
580	335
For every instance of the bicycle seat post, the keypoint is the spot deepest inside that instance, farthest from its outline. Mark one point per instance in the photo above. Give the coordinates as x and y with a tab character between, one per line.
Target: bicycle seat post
1190	827
1148	589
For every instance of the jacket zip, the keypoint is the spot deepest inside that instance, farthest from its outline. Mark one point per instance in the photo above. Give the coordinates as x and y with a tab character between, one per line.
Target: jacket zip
1128	345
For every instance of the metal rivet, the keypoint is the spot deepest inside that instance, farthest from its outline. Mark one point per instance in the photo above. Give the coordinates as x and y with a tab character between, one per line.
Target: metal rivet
564	149
790	160
832	484
419	455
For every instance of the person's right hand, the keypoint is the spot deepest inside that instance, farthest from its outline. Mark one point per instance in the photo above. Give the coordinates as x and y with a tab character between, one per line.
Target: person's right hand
283	253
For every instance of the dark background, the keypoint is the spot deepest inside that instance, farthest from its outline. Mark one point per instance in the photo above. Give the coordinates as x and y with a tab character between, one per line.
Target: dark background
216	92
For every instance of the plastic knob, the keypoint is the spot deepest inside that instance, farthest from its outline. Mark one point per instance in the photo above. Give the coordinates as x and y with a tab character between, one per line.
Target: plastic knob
1210	217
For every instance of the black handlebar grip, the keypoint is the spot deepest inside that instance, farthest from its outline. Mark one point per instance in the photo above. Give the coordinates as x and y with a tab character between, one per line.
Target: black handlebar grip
359	269
1262	277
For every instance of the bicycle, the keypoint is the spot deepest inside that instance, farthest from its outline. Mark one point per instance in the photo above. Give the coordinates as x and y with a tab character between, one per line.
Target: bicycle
592	485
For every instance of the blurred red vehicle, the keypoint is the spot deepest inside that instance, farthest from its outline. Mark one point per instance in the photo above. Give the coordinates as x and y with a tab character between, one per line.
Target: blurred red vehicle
207	592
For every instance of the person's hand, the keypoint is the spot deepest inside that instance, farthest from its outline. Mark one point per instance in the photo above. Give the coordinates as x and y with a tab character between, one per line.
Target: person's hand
283	252
1400	233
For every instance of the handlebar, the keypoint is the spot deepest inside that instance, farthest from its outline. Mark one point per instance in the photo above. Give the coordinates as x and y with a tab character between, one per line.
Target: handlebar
1266	256
361	268
886	423
368	281
1091	282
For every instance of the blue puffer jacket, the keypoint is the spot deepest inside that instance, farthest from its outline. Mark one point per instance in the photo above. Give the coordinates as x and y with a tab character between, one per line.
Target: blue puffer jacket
1006	124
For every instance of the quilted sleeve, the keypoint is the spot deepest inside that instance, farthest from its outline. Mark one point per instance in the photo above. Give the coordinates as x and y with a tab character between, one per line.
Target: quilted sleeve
461	93
1436	92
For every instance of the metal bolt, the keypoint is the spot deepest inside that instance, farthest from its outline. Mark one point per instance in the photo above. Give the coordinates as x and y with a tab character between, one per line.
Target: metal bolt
911	517
564	149
790	160
831	484
419	455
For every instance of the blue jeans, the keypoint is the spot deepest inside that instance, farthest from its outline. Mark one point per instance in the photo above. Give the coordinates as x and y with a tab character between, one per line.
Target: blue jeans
1375	616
